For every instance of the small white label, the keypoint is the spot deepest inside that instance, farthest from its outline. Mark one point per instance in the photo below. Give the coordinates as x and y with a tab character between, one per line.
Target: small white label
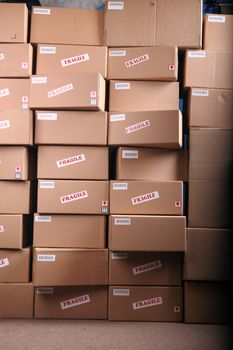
24	98
117	53
24	105
154	265
83	299
39	80
41	11
45	290
1	56
196	54
116	5
47	184
24	65
60	90
145	198
135	127
147	303
47	116
200	92
119	256
43	218
128	154
70	161
137	60
122	86
4	262
216	18
4	92
117	117
46	257
93	101
48	50
122	221
120	186
2	228
120	292
4	124
74	196
75	59
93	94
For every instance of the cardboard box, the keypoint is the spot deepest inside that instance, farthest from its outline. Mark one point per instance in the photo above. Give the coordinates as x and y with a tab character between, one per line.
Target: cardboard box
69	231
14	94
71	128
141	96
70	59
214	263
153	23
208	69
70	267
15	60
82	26
15	266
73	197
71	302
15	197
147	233
218	34
211	108
143	63
16	163
72	162
210	154
14	231
145	269
207	302
210	204
16	127
162	129
151	164
78	91
128	303
146	197
13	23
16	300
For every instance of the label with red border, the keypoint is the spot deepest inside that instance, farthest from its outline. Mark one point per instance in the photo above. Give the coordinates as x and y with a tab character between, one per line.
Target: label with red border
4	262
142	304
74	60
137	60
4	124
74	196
70	160
4	92
154	265
2	228
138	126
60	90
145	198
77	301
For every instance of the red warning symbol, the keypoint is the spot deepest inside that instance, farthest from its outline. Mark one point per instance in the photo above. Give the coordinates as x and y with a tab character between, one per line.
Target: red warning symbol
177	204
104	203
171	67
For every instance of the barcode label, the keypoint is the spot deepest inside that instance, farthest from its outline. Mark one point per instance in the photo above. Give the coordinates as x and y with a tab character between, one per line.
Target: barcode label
41	11
45	290
47	116
39	80
43	218
47	184
214	18
196	54
119	256
121	292
117	53
49	50
115	5
117	117
128	154
46	257
122	86
199	92
120	186
122	221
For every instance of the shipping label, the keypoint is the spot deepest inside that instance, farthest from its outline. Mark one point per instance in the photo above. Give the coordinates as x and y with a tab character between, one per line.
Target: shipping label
145	198
46	257
196	54
120	186
138	126
67	304
147	303
47	116
44	290
74	196
60	90
4	262
75	59
119	256
1	56
216	18
4	92
116	5
70	160
41	11
122	221
48	50
43	218
200	92
137	60
47	184
117	53
39	80
154	265
129	154
2	228
117	117
5	124
122	86
120	292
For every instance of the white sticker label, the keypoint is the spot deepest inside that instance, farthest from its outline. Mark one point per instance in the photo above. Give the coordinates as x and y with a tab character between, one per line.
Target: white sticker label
41	11
119	256
70	161
216	18
60	90
200	92
75	59
24	105
47	184
196	54
2	228
117	117
74	196
39	80
4	124
24	65
120	292
83	299
154	265
48	50
145	198
116	5
138	126
46	257
24	98
43	218
117	53
122	221
93	101
147	303
122	86
137	60
4	92
47	116
44	290
120	186
1	56
93	94
4	262
128	154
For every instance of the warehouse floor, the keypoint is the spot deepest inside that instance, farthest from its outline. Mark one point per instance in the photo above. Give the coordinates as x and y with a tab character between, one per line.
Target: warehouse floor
85	335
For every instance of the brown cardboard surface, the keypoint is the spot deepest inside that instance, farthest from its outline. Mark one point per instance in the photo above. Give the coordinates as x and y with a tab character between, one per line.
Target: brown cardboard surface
73	197
212	263
82	26
162	129
78	91
210	204
210	154
14	94
16	300
207	302
150	303
143	63
15	60
71	128
14	163
70	267
71	59
211	108
13	23
72	162
13	231
141	96
147	233
15	265
146	197
218	33
71	302
15	197
208	69
145	268
69	231
151	164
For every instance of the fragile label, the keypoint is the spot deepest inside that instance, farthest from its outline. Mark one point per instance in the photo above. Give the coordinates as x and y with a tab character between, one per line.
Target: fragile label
43	218
39	80
122	86
44	290
83	299
46	257
120	186
47	184
119	256
4	92
115	5
74	196
200	92
41	11
196	54
147	303
4	262
137	60
117	53
2	228
60	90
48	50
5	124
122	221
1	56
216	18
117	292
154	265
145	198
47	116
75	59
70	161
117	117
128	154
138	126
